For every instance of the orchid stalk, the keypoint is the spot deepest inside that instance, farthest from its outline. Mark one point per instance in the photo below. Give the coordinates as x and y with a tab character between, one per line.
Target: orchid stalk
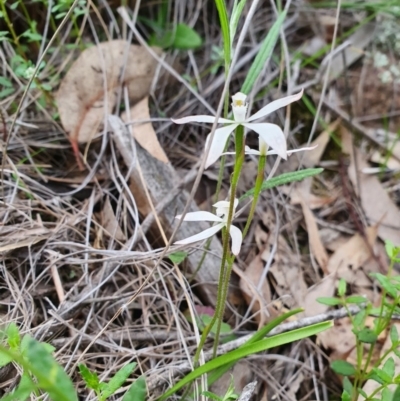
270	135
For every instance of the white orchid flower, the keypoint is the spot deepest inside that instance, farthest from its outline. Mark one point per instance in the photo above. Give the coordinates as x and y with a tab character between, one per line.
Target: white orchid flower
263	150
270	133
221	217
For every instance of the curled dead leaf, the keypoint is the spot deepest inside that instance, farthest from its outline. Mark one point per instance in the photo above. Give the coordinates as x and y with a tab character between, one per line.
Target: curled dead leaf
89	90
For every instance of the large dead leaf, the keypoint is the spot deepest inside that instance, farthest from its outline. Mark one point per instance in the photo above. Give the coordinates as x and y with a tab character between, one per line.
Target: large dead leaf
348	259
89	90
249	282
314	239
144	133
375	201
325	288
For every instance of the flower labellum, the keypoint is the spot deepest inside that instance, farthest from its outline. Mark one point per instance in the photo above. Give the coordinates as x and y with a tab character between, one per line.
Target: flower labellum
271	134
220	217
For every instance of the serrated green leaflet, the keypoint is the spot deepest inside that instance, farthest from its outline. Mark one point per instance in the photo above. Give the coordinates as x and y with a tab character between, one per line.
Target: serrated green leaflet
283	179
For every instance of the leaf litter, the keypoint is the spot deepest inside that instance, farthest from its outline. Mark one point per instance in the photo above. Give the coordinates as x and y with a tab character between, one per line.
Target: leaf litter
85	233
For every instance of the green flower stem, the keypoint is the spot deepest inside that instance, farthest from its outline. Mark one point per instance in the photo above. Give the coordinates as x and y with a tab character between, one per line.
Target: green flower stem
226	270
257	189
224	275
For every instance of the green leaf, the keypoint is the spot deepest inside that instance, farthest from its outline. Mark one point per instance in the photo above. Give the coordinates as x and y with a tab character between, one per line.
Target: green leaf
186	38
225	328
356	299
331	301
386	284
265	52
13	336
383	376
283	179
389	367
91	379
387	395
346	396
248	349
258	335
211	395
6	92
223	20
233	23
5	82
359	319
347	386
396	394
137	391
118	380
50	376
26	341
342	287
23	391
362	392
394	335
344	368
177	257
366	335
5	359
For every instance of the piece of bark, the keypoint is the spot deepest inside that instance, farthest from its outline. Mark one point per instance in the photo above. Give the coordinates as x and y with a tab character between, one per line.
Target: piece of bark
160	179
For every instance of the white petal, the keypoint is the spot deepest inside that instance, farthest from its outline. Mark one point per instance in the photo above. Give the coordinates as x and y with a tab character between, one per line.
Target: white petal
289	152
272	135
239	113
218	144
275	105
239	99
236	236
221	204
199	216
200	119
262	145
203	235
253	152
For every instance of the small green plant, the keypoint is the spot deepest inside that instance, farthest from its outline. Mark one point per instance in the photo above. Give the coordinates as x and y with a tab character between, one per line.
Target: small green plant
228	396
42	374
103	390
171	36
383	370
40	371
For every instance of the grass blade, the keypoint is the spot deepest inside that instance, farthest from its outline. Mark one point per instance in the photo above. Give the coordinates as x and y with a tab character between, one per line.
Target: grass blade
262	56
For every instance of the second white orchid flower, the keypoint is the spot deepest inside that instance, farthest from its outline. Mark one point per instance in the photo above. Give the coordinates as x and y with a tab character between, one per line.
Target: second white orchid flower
221	217
272	134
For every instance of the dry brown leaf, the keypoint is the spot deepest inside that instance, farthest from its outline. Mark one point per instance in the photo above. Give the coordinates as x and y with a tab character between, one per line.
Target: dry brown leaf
302	191
325	288
339	339
312	157
11	238
81	99
290	284
144	133
347	260
110	223
375	201
314	239
249	280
